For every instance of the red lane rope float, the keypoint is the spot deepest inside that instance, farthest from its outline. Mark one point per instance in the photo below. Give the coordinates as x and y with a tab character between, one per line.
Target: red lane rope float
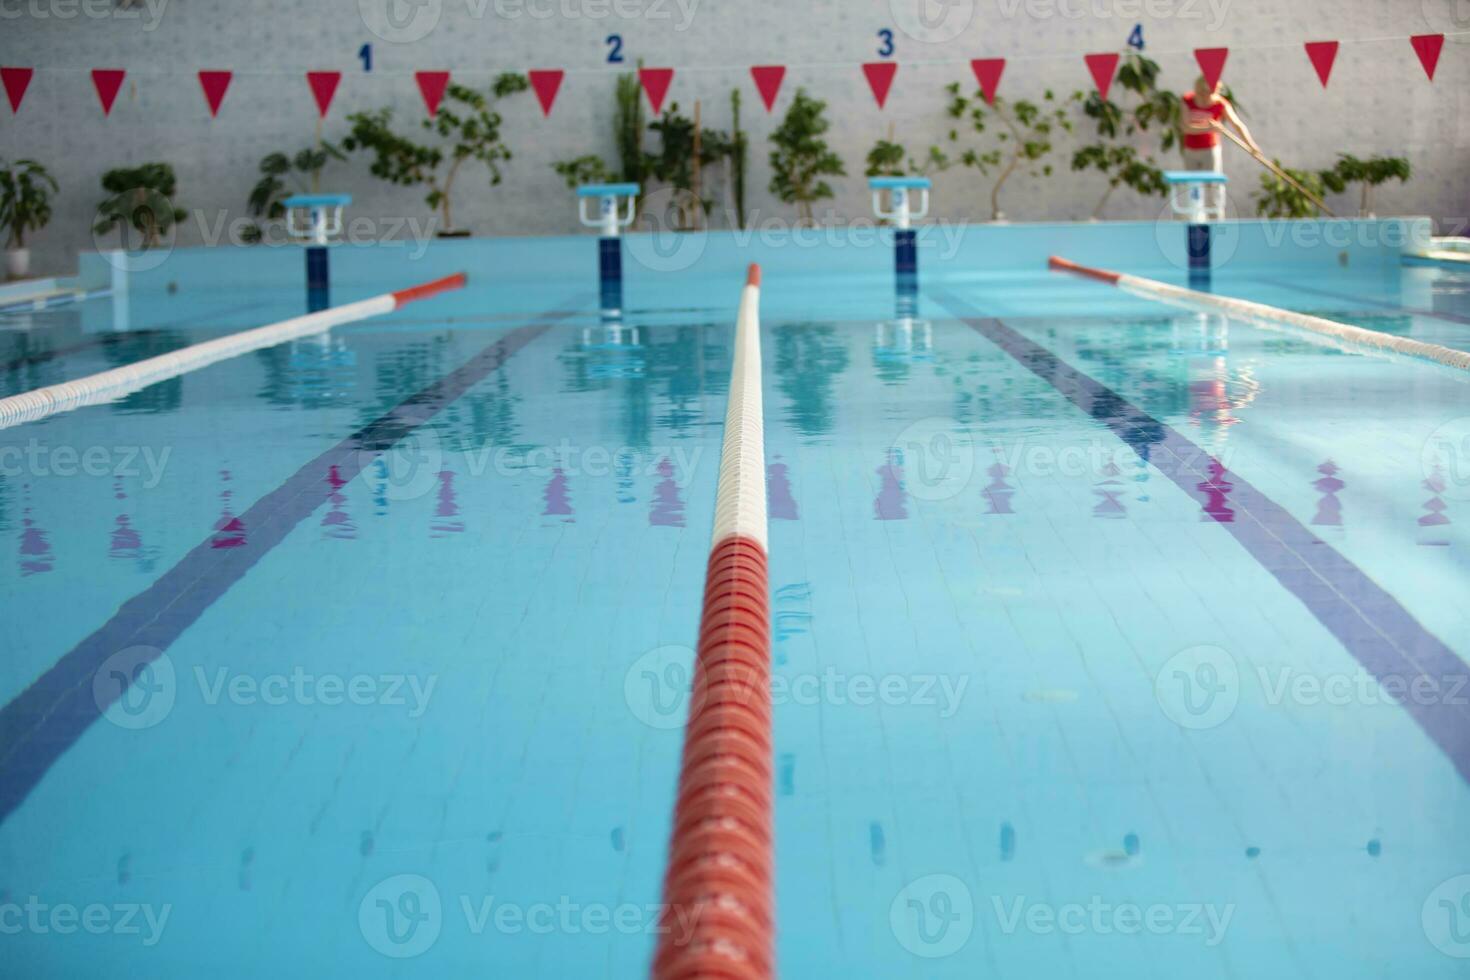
718	918
1063	265
111	385
434	288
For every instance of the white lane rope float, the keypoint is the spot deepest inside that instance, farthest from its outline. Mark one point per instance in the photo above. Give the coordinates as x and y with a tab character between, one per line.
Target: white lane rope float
1249	310
108	386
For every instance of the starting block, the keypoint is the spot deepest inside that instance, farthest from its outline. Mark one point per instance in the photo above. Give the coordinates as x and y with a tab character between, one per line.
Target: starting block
900	210
321	216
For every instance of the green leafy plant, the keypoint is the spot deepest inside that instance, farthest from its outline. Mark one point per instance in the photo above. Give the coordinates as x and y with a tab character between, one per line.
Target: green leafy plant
1115	152
587	169
303	170
683	151
739	154
25	199
886	159
141	198
466	119
628	129
1277	198
801	157
1369	174
633	161
1025	139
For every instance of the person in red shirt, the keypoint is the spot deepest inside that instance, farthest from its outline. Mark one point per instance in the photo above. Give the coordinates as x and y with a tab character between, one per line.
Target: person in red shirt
1204	108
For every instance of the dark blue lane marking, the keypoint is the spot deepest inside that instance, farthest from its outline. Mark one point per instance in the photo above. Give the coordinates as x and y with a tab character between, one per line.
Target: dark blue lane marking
1371	624
1377	303
48	717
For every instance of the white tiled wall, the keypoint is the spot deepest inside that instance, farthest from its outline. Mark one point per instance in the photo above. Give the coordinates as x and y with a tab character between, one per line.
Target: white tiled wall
1379	102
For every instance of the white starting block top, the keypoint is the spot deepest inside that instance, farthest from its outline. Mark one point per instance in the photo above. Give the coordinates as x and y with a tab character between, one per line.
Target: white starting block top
609	218
1189	197
899	191
323	214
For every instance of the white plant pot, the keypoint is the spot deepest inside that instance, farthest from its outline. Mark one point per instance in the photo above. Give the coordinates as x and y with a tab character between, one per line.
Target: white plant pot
17	263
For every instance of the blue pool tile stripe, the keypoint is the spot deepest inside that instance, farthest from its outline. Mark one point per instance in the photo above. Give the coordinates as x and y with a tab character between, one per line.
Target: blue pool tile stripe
47	718
1369	622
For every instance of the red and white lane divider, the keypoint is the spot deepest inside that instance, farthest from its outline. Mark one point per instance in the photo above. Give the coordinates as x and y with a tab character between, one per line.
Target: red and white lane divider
1248	310
719	908
111	385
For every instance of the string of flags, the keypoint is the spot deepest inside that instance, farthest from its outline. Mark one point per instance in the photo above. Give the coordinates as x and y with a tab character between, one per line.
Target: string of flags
546	82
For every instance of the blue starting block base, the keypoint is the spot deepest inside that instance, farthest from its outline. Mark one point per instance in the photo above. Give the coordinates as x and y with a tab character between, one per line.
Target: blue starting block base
323	222
1197	197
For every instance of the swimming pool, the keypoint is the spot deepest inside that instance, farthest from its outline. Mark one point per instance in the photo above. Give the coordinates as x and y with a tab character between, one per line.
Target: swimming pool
1087	619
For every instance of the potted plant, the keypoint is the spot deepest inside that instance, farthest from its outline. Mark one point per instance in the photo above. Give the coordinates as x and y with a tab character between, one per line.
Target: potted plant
1369	173
1279	198
466	118
141	199
1026	138
304	170
1117	152
802	158
25	205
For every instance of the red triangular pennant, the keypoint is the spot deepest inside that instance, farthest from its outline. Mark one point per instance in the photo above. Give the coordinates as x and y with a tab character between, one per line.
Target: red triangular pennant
214	84
656	83
1323	55
431	86
323	88
107	81
1211	63
546	82
987	73
880	78
16	81
768	80
1428	47
1103	67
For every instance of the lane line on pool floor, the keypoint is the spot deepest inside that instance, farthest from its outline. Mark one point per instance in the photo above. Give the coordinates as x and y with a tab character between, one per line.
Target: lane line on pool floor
1370	623
106	386
1248	310
47	718
718	916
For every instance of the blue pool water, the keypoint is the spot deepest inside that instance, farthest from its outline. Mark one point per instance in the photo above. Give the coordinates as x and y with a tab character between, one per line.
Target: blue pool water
1077	604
